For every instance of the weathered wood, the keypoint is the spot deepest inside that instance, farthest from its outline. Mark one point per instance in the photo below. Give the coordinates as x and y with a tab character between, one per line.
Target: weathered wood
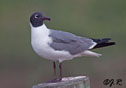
68	82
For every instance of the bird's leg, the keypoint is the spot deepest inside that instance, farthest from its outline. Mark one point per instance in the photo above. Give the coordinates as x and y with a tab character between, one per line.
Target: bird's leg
54	79
60	67
54	67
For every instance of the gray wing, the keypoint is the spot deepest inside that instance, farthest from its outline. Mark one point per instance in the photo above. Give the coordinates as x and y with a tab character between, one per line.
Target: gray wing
69	42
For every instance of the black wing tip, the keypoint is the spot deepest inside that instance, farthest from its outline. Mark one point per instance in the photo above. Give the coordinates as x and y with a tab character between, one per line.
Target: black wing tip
101	45
111	43
114	43
99	41
107	39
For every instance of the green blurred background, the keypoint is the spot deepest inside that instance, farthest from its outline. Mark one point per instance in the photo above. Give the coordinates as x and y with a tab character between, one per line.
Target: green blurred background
21	67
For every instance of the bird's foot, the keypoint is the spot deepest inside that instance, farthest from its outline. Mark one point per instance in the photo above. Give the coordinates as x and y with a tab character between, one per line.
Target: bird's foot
54	80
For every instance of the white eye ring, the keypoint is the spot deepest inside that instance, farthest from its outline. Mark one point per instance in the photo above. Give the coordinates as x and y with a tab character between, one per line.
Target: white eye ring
36	16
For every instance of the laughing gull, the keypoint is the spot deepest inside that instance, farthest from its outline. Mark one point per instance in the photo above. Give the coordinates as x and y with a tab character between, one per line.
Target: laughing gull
57	45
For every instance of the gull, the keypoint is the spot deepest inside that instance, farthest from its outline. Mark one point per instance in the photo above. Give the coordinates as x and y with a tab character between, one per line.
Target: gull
56	45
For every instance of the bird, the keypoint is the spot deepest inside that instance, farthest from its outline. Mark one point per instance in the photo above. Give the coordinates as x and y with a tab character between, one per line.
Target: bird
57	45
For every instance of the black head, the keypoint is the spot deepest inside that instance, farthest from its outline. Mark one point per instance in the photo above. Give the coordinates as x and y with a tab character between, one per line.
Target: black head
37	19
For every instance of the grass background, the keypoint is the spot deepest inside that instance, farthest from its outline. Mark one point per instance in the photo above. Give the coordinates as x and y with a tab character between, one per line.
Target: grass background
20	67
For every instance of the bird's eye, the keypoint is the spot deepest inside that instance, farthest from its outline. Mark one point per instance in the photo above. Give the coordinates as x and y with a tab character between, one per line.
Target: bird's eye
36	16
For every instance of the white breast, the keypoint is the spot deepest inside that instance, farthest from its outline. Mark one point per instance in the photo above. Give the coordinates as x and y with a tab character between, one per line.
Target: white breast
40	40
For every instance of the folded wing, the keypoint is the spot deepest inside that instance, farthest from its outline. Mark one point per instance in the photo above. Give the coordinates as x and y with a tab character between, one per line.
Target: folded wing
70	42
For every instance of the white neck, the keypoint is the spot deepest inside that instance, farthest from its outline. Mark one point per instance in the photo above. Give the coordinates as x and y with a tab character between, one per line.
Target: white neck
40	27
39	33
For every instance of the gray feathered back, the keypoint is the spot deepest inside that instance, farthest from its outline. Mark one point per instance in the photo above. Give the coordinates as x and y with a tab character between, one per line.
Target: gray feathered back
69	42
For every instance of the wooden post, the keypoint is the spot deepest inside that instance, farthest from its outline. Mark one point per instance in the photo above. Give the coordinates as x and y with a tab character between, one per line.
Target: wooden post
67	82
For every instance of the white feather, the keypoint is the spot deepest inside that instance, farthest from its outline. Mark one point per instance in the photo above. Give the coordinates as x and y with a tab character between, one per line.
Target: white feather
90	53
94	44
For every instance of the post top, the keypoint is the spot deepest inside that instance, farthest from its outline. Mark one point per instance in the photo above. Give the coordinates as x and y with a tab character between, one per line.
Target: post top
65	81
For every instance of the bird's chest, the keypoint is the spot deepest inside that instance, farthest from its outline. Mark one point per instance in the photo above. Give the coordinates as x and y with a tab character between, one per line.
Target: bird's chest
41	46
39	40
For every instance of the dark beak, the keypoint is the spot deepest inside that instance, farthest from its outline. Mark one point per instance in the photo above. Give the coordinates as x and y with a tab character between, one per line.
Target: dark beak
46	18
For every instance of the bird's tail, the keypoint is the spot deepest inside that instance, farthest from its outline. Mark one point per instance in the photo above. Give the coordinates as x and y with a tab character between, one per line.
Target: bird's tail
103	42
